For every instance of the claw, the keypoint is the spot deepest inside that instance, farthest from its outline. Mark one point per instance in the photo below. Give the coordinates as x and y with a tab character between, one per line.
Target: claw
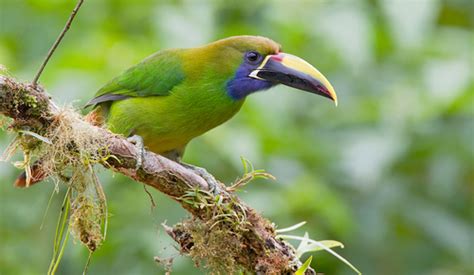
140	147
214	186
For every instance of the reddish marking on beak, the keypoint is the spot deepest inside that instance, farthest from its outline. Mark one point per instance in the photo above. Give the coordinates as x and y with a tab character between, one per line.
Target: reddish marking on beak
277	57
324	92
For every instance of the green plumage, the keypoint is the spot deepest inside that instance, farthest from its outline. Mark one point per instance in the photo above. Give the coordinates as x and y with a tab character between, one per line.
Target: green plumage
175	95
155	76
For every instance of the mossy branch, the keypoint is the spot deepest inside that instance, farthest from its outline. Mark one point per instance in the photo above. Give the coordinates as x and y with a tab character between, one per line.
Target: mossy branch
224	233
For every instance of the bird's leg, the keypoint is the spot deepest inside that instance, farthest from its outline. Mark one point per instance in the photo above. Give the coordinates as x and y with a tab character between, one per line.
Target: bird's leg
214	186
140	149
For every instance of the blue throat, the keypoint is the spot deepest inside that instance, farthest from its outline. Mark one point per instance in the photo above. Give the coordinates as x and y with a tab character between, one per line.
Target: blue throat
242	85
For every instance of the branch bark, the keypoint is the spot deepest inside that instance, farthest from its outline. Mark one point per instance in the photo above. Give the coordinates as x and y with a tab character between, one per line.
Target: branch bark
260	251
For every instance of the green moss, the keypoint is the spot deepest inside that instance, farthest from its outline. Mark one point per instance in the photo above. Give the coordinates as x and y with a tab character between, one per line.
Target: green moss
223	231
217	248
85	221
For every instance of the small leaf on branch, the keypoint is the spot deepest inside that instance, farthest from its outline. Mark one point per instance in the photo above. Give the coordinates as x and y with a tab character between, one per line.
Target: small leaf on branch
250	174
305	266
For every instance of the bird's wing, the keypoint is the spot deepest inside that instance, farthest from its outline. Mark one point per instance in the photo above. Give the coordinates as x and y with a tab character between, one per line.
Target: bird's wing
154	76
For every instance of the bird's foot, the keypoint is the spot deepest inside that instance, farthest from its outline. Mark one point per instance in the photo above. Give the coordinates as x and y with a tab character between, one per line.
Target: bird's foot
140	149
214	185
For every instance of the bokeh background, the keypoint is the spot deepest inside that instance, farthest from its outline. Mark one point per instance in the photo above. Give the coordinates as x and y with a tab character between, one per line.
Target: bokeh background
389	172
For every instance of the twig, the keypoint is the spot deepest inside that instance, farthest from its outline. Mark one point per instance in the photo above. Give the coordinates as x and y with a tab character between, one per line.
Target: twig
153	204
56	43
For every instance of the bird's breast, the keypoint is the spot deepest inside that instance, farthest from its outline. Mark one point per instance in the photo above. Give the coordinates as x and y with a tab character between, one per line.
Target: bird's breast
169	122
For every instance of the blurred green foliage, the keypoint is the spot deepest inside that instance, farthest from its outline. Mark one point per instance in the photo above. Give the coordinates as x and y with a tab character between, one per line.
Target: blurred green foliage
389	172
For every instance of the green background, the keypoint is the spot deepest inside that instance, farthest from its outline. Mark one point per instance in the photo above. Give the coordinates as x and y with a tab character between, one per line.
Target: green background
389	172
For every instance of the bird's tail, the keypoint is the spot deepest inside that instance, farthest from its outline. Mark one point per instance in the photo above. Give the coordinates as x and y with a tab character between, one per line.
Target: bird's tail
37	175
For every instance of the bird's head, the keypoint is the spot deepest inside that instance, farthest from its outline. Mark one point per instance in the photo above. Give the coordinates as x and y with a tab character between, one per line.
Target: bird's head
255	63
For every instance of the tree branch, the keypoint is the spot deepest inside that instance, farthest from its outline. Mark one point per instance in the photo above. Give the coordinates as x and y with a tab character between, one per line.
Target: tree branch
241	237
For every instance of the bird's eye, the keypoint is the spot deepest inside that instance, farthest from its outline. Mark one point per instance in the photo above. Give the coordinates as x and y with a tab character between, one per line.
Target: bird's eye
252	57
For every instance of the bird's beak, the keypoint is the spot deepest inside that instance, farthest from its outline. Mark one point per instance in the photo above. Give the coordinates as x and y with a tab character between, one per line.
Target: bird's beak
295	72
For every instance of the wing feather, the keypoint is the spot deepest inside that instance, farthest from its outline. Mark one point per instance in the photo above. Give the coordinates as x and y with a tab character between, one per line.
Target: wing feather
157	75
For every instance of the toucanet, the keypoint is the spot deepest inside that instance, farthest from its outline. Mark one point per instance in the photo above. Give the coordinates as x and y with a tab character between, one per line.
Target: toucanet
176	95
